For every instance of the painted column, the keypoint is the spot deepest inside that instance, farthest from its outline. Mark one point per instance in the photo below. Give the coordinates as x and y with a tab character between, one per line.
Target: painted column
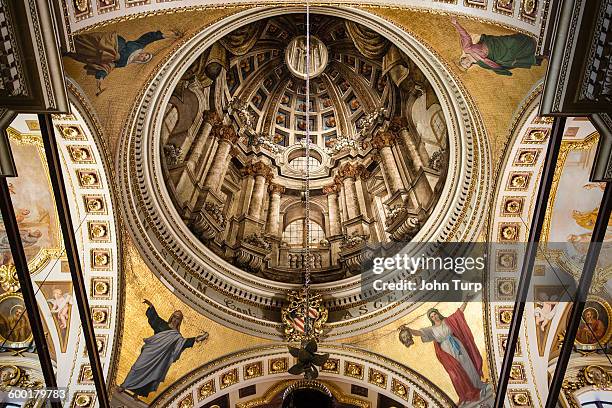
383	142
261	172
273	223
187	184
334	212
412	149
210	120
348	173
400	125
350	193
227	137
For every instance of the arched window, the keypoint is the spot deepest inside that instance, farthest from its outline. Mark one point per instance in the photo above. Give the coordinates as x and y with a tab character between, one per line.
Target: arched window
595	399
300	163
294	233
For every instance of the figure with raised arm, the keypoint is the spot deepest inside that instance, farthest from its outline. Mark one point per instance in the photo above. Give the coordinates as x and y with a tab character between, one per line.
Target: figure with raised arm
457	352
159	351
499	53
101	52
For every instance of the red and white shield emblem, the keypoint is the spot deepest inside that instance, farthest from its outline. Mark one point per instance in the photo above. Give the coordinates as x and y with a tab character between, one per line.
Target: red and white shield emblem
299	323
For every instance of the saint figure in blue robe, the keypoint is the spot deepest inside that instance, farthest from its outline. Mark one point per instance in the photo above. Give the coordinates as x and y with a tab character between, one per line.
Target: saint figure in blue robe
101	52
159	351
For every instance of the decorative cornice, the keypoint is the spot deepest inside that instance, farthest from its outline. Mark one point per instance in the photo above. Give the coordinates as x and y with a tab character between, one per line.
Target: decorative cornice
273	391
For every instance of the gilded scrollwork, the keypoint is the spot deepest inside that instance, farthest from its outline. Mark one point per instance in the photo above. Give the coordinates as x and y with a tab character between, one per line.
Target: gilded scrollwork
13	376
594	376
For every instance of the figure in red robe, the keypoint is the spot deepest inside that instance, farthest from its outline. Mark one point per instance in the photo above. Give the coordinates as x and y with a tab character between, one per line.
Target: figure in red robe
457	352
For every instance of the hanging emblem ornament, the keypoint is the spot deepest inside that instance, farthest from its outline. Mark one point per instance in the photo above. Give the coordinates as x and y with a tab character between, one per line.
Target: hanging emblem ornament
294	319
305	315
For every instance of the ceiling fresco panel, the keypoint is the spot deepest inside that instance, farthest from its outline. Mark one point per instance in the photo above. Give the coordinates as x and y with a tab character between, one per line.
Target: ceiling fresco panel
174	80
79	149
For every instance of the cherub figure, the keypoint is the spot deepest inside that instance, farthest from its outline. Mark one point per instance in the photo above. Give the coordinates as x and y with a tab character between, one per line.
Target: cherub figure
60	305
545	311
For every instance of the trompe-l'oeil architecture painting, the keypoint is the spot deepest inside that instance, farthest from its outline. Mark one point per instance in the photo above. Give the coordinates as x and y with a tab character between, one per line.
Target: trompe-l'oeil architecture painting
235	171
363	158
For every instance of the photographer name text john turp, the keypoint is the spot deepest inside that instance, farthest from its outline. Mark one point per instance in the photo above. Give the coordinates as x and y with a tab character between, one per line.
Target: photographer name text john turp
434	285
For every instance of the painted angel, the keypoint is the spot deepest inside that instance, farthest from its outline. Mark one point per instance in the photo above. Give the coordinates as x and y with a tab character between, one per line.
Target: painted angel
60	305
545	311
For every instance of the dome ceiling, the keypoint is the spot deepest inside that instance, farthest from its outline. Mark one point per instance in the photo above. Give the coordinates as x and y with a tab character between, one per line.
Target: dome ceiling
235	168
215	198
345	86
214	147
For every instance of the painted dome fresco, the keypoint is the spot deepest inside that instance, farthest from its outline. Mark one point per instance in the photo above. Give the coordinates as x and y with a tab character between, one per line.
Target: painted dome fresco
208	193
234	139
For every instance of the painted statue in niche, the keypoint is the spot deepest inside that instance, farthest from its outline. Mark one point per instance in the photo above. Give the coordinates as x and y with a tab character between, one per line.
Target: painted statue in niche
594	325
101	52
158	352
15	328
499	53
456	351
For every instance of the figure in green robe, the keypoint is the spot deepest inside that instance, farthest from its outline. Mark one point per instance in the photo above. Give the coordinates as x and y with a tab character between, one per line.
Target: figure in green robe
499	53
